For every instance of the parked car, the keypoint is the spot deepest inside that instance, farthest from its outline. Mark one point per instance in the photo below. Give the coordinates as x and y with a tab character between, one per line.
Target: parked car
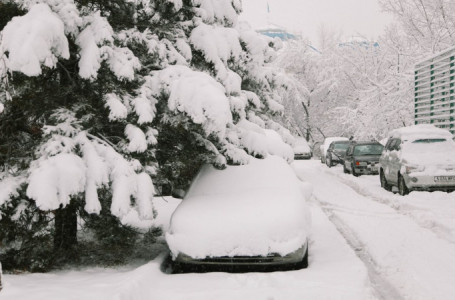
248	218
302	149
419	157
362	157
325	145
336	152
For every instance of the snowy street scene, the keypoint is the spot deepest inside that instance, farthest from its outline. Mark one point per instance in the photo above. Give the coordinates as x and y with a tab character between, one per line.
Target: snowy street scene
227	149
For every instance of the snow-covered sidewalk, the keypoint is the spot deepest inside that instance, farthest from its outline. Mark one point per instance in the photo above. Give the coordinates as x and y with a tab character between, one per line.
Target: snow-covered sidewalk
335	272
417	260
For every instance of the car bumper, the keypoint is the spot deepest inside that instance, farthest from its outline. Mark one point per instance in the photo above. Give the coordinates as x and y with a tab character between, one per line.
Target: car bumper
240	263
366	170
429	182
302	156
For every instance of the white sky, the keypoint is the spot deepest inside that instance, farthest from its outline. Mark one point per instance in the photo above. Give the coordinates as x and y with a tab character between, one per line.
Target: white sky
351	17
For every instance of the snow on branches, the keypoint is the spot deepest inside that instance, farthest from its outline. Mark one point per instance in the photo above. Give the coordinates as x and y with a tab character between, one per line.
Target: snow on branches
34	39
196	69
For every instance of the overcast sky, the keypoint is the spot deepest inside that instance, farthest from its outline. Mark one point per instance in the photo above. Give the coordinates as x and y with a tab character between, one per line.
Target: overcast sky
351	17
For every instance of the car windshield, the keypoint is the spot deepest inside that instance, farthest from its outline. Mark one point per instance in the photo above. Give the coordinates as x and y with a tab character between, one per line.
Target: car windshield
373	149
341	146
429	141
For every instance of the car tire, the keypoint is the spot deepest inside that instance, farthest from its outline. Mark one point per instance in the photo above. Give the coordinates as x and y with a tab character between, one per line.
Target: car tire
384	184
303	264
328	161
402	188
353	171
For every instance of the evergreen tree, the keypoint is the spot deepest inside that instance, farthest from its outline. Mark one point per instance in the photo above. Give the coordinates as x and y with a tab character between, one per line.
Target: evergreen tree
100	97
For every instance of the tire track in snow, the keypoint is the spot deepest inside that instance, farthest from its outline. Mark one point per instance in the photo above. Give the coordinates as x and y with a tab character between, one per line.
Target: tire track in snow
438	228
397	251
382	288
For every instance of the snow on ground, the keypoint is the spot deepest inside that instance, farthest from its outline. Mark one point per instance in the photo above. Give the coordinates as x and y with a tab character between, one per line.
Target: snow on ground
334	273
432	210
408	253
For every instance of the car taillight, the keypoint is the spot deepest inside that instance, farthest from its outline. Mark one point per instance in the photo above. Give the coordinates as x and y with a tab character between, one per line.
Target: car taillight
357	163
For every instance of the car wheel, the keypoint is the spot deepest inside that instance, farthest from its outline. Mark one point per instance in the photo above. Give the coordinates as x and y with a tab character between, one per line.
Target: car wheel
353	172
402	188
303	264
384	184
329	162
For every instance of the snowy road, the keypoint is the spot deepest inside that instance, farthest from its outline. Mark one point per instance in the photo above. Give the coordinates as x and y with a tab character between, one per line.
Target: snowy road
366	243
407	241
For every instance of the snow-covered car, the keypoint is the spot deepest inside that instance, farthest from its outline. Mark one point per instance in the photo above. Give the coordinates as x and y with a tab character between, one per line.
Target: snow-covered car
325	145
301	149
362	157
419	157
246	217
336	153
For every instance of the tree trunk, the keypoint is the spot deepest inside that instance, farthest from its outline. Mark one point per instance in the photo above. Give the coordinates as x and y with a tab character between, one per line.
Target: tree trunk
65	236
1	287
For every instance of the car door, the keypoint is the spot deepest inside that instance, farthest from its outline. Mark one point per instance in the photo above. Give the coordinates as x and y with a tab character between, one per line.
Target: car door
394	161
385	158
349	157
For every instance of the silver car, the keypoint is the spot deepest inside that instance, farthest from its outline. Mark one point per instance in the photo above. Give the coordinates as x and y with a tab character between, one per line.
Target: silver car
419	157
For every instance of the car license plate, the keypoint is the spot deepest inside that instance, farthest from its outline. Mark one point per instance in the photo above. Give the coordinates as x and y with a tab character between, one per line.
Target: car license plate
444	178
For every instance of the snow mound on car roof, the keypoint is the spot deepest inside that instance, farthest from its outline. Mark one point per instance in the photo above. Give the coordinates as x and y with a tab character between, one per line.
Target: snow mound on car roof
421	131
250	210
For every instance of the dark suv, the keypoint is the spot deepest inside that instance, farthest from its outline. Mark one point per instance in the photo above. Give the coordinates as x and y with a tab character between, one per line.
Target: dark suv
336	152
362	158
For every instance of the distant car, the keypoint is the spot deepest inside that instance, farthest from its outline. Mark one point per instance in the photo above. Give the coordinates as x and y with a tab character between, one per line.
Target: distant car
336	152
419	157
325	145
302	149
362	157
247	217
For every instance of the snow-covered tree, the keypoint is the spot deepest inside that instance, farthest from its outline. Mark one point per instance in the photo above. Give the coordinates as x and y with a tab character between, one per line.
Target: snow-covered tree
102	101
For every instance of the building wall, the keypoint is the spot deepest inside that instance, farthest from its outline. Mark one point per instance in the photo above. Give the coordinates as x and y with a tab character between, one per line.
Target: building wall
434	91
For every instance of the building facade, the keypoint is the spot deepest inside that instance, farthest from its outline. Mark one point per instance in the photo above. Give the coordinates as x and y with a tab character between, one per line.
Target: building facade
434	90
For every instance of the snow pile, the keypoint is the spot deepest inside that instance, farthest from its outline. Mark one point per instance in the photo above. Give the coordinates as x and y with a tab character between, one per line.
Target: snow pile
276	146
301	146
254	209
422	131
34	39
332	275
260	142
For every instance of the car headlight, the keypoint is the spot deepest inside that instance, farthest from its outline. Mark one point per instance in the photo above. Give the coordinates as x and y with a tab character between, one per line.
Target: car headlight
414	168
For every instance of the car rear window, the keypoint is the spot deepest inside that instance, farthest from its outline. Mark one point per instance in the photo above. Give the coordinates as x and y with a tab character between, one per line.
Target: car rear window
342	146
374	149
429	141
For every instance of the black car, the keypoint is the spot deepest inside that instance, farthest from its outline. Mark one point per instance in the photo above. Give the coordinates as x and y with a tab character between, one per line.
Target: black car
336	152
362	158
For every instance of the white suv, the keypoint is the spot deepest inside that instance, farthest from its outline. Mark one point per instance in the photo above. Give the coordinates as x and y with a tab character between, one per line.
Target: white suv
419	157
